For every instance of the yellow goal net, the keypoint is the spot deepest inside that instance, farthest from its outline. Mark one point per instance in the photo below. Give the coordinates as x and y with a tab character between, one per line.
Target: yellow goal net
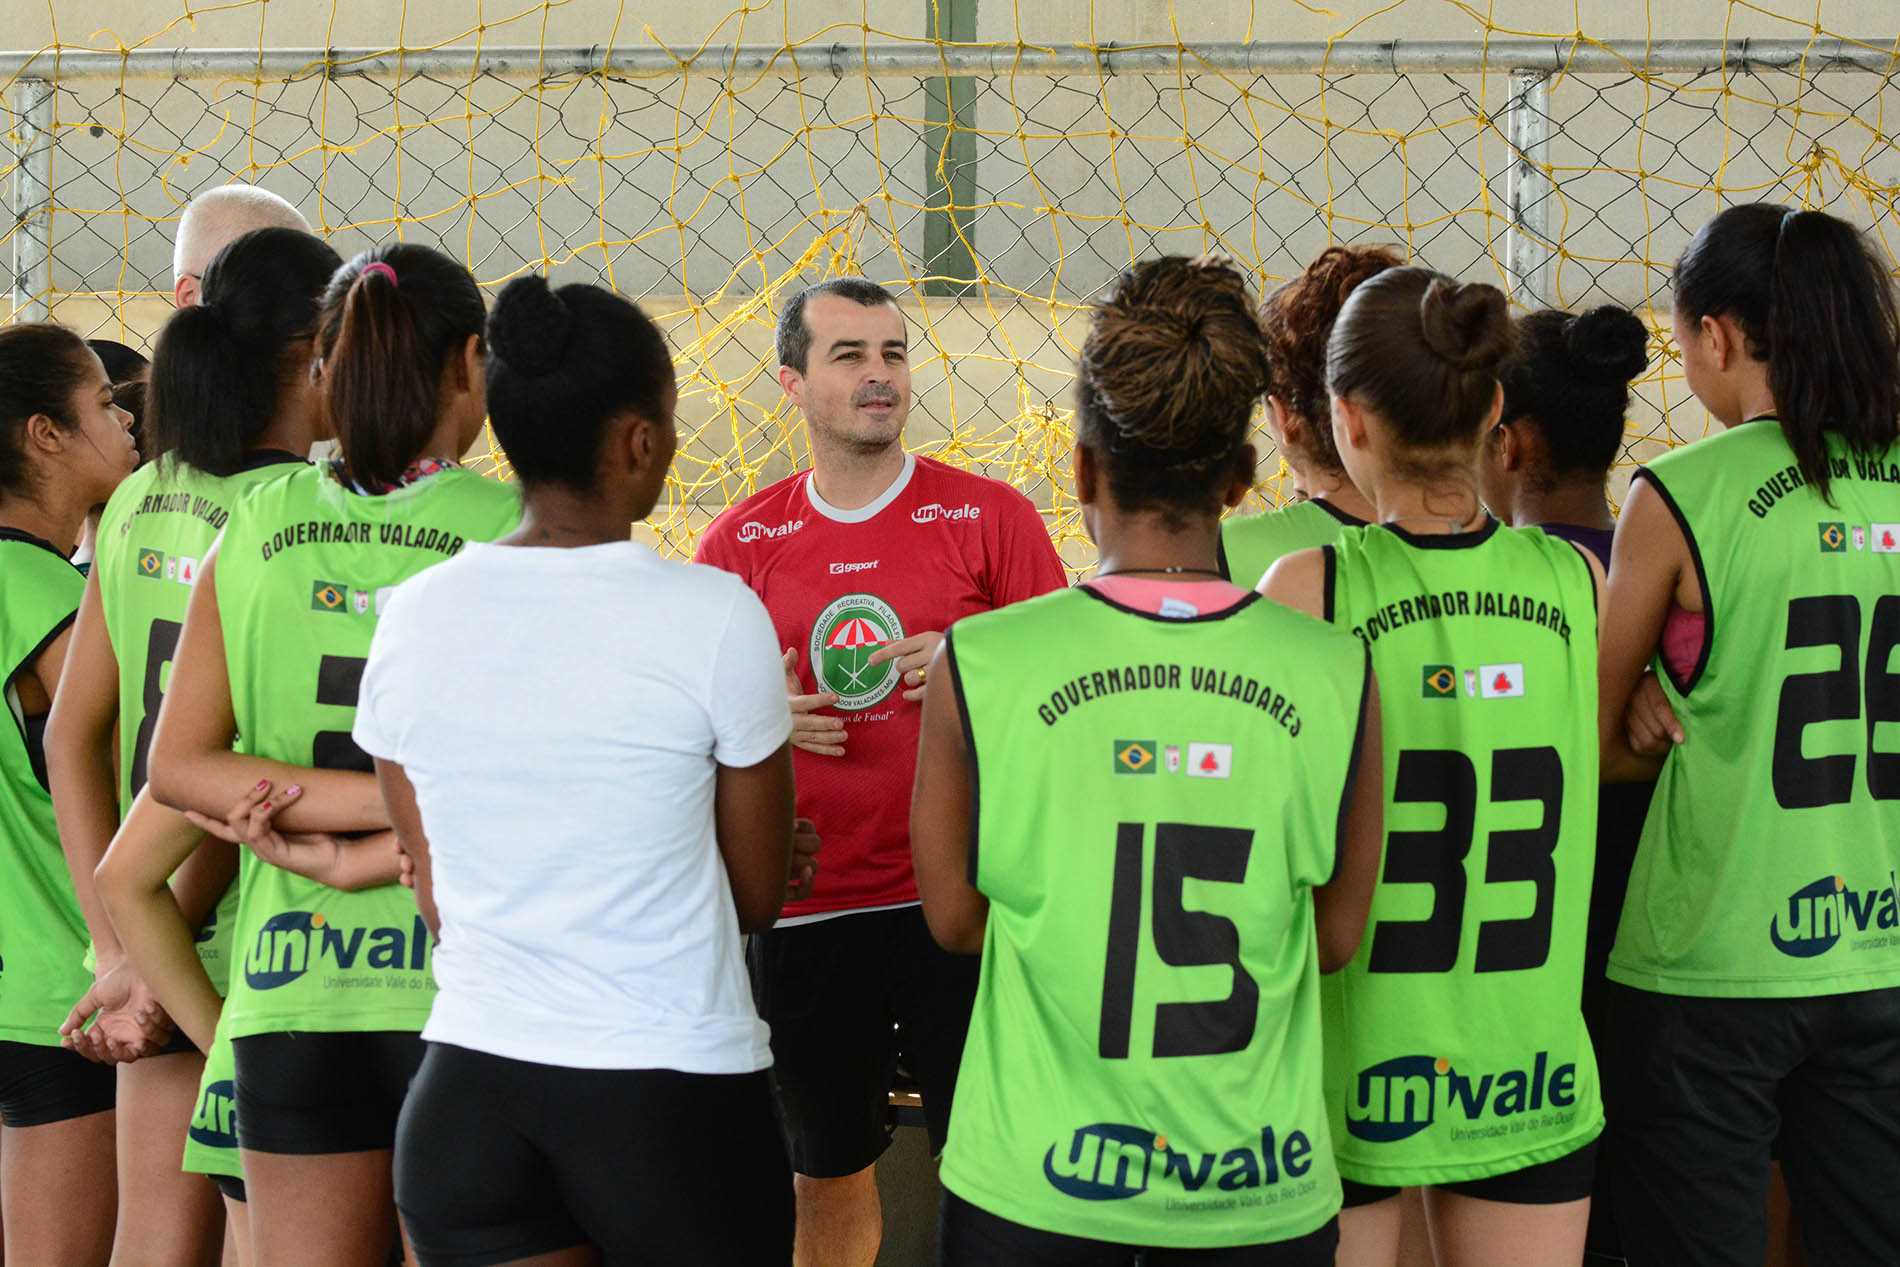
995	162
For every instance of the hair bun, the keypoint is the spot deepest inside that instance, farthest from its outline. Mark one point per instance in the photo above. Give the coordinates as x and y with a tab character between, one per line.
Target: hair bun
530	326
1608	345
1465	323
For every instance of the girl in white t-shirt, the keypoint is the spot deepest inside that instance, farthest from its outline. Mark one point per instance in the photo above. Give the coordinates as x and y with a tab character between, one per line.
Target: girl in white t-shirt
583	748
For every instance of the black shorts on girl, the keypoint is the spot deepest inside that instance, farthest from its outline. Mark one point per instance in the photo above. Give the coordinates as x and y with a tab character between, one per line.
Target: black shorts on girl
503	1159
1567	1178
42	1085
311	1095
973	1237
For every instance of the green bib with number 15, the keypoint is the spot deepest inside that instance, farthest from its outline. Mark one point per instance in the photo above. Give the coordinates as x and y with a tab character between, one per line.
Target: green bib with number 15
1455	1043
1156	800
303	571
1768	862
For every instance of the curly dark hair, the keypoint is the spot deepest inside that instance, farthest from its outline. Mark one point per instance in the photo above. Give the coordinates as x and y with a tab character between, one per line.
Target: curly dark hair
1298	319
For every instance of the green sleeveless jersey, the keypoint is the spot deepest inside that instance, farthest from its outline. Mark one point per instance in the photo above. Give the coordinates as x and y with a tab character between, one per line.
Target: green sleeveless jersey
1157	800
1455	1043
1768	862
1250	544
42	934
304	569
156	529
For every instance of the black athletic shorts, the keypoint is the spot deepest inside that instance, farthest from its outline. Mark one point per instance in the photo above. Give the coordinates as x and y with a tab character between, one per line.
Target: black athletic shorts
1561	1179
973	1237
314	1094
1696	1106
502	1159
41	1085
846	997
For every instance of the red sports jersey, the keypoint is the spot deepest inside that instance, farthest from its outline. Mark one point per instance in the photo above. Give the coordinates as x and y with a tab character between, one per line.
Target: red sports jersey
938	545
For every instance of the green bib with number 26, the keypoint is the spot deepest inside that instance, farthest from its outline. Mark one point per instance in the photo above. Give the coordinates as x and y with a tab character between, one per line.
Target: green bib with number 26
1157	799
1455	1043
303	570
1768	862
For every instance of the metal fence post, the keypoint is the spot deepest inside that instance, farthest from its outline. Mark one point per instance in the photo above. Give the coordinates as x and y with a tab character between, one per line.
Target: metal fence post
32	107
950	159
1527	255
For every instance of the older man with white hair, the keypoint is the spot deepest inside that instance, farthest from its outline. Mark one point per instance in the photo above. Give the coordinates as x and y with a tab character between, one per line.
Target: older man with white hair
216	218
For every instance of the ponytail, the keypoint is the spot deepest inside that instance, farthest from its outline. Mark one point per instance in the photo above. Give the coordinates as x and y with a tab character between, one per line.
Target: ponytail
1813	302
392	320
221	367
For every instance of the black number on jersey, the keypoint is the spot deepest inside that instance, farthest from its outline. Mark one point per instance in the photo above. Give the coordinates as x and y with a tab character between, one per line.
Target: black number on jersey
161	644
1446	777
1804	782
339	677
1183	939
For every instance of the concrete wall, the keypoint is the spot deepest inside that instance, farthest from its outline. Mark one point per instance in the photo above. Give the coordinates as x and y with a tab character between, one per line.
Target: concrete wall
707	198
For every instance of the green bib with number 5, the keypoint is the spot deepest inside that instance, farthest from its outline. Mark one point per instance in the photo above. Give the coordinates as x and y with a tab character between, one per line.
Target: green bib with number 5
1156	800
1767	865
304	568
1455	1043
154	533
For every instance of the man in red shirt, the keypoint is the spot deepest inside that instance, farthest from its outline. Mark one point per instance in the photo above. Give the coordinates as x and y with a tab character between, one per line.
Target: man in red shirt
863	561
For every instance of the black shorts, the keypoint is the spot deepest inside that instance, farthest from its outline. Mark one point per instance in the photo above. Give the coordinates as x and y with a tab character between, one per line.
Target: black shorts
230	1186
501	1159
42	1085
314	1094
1696	1106
973	1237
846	997
1553	1182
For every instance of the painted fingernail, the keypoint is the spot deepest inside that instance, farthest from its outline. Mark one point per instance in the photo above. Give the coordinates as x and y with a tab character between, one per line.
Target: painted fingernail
293	790
261	785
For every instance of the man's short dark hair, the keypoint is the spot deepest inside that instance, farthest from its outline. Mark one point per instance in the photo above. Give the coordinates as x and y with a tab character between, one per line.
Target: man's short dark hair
794	336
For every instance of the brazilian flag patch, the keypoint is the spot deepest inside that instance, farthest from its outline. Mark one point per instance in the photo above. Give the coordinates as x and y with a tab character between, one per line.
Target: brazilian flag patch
1833	538
328	596
152	563
1134	756
1441	682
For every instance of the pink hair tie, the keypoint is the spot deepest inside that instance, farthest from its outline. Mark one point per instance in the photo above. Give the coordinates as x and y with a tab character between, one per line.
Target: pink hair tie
377	266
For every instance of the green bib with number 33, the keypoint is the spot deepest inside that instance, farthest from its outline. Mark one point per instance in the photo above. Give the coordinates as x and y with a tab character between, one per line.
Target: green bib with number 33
1455	1043
1767	865
303	569
1157	799
153	535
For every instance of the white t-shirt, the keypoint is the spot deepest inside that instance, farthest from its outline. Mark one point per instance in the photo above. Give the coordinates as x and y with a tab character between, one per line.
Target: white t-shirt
560	713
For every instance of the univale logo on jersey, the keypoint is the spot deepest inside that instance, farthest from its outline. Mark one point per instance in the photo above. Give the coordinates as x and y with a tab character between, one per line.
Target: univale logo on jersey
293	943
843	639
752	530
1886	538
1113	1161
934	511
1819	913
1397	1098
214	1121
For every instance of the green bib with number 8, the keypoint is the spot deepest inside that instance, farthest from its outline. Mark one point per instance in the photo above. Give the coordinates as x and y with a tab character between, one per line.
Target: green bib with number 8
158	527
1455	1043
303	570
1767	865
1157	799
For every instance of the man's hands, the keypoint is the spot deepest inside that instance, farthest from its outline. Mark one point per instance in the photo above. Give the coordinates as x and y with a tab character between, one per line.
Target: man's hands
126	1022
913	659
820	736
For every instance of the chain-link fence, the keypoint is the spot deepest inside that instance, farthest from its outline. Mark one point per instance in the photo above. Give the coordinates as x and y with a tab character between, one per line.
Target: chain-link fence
996	187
